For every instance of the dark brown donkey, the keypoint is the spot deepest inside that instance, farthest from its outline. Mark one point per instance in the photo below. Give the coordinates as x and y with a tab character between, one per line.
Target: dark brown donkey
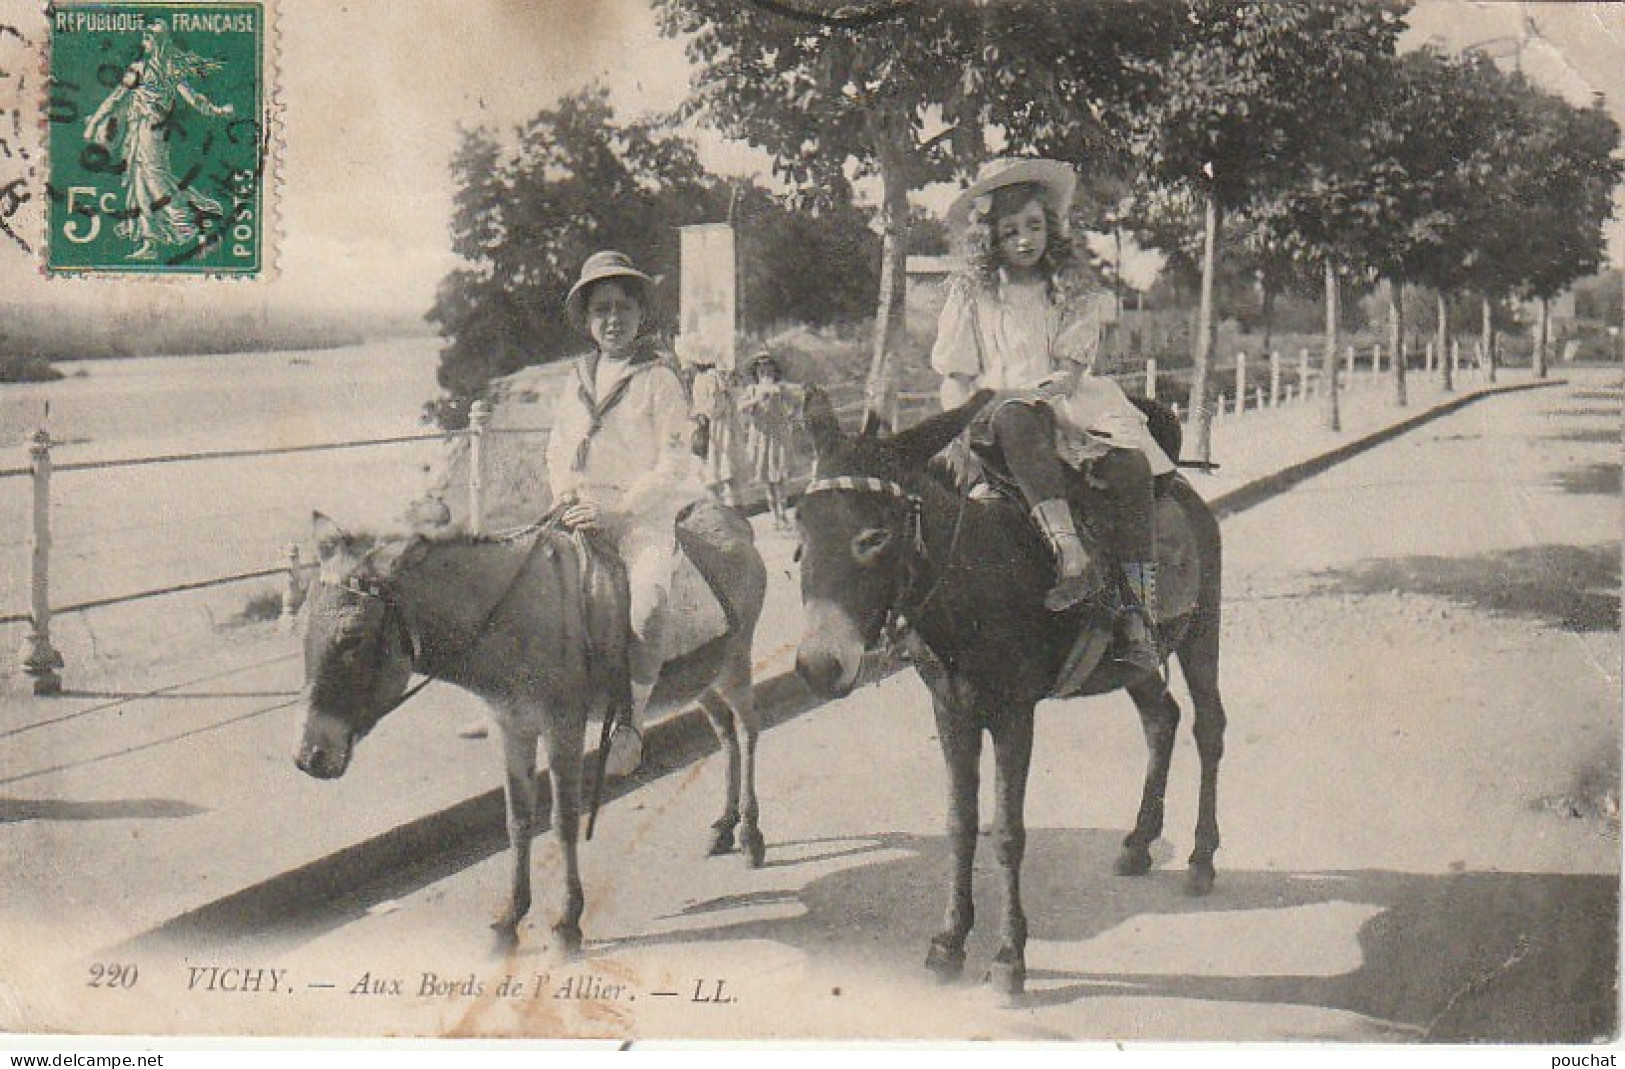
885	537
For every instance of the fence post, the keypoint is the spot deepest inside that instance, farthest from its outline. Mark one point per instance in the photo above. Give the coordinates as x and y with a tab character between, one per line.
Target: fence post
1275	378
1428	359
294	596
40	660
1303	373
479	418
1455	358
1151	378
1241	381
1376	361
1348	370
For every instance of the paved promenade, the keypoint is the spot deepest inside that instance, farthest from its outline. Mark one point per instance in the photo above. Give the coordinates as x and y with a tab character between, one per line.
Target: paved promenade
127	804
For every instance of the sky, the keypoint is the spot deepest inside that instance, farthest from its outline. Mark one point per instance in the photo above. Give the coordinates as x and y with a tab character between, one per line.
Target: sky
372	94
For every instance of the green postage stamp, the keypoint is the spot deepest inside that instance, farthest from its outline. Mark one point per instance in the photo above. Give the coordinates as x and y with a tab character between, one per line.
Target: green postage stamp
157	141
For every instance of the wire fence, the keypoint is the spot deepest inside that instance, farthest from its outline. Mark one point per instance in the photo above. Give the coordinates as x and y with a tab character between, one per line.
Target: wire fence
99	533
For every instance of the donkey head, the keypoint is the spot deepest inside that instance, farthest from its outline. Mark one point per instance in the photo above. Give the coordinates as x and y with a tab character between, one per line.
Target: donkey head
358	648
857	531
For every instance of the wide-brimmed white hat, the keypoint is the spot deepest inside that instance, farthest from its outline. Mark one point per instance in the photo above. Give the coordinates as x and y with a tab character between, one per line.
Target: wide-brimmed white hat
600	266
1057	179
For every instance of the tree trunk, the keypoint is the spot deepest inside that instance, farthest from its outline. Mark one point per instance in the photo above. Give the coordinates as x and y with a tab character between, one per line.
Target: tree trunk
1268	315
1330	418
1200	406
880	392
1542	337
1396	334
1487	337
1444	341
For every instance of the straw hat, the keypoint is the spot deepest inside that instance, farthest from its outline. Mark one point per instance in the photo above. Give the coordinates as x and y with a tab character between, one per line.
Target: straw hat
600	266
1057	179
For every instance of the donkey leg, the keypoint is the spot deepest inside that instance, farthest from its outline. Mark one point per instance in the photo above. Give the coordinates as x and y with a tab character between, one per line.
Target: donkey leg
961	741
722	726
1013	753
1199	661
566	734
522	795
741	699
1159	719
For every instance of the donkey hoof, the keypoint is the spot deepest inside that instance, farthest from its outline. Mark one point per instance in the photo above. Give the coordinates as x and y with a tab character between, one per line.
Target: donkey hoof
945	962
505	934
755	847
721	842
1199	879
1134	861
1008	978
567	939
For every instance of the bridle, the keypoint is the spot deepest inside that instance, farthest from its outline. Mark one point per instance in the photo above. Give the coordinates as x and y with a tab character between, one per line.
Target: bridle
382	589
916	558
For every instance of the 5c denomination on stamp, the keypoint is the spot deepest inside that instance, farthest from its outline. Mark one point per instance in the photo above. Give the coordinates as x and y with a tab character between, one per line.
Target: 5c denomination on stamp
157	142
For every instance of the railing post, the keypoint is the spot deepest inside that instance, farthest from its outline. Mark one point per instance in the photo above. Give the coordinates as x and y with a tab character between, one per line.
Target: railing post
1275	377
1303	373
1376	361
1241	382
1258	398
40	660
1348	370
1455	358
1151	378
294	596
479	420
1427	359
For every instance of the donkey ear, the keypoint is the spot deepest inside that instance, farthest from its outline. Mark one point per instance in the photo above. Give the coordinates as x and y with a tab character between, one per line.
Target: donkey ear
925	440
822	426
331	539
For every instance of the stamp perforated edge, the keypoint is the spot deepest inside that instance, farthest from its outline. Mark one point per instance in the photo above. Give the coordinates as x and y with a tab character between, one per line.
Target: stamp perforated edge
273	112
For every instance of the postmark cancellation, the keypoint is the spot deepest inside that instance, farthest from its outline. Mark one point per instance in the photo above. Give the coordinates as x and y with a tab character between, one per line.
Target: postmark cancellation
157	139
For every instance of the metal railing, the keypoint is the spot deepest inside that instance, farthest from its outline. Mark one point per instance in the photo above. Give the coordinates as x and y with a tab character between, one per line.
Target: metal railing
1277	383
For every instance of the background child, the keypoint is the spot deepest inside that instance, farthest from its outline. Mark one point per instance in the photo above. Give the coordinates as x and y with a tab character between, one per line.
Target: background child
770	407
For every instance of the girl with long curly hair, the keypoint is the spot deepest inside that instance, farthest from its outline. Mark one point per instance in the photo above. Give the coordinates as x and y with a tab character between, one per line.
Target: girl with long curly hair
1012	324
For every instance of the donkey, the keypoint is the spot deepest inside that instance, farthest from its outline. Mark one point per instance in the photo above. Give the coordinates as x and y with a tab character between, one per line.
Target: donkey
537	629
885	538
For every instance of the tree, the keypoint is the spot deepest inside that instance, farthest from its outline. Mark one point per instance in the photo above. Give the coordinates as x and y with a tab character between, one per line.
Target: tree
908	97
1567	175
577	181
1247	91
525	219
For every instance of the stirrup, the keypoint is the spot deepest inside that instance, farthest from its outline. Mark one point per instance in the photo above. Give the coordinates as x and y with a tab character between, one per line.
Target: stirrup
1137	642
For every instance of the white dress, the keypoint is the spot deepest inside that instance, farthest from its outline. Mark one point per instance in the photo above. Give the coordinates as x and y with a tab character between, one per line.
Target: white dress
1014	339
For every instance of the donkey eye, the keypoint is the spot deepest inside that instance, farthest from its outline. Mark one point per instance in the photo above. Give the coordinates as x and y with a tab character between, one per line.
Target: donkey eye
869	544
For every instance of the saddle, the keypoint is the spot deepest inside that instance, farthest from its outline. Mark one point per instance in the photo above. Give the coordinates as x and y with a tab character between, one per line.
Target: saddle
984	475
698	610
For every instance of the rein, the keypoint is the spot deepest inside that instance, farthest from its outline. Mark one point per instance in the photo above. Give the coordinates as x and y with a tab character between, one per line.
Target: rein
380	589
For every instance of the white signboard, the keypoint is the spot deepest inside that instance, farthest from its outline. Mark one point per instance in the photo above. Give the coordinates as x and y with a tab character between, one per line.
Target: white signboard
707	296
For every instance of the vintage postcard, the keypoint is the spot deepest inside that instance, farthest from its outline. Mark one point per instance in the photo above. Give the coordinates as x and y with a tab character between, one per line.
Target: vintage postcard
745	521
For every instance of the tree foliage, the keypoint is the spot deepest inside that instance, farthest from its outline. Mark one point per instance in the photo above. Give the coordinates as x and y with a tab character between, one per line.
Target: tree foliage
577	180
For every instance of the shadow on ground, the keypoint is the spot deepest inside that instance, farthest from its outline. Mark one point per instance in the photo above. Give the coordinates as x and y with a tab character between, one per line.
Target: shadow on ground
1602	479
1576	588
13	810
1494	957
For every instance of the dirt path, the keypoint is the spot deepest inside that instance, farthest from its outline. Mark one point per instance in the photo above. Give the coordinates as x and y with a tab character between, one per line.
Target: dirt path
1420	807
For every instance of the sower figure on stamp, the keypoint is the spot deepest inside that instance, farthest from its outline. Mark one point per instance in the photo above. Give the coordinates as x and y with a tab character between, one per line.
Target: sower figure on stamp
159	210
619	462
1009	326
